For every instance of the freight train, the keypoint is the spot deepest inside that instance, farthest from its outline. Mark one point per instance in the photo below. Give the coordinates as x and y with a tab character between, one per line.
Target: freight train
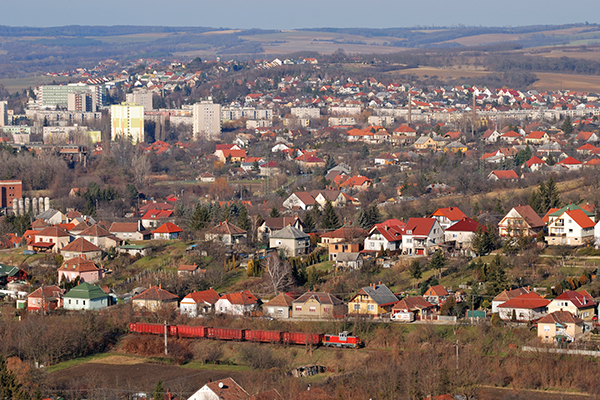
343	339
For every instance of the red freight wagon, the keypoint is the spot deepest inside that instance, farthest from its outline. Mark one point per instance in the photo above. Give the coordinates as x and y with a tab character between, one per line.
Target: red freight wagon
343	339
263	336
191	331
225	334
155	329
302	338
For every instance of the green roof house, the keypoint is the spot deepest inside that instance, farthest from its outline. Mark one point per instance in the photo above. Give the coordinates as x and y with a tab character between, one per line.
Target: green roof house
86	297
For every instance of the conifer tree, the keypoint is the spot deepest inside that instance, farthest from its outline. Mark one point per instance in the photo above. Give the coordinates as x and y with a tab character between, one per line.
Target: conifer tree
330	219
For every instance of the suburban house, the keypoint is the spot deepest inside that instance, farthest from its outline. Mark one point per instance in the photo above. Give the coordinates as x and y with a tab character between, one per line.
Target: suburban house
521	221
503	175
227	233
524	308
292	241
534	164
421	308
199	303
345	234
99	236
560	325
239	303
130	231
45	298
81	248
299	200
11	274
421	236
52	217
436	295
79	267
317	305
507	295
579	303
168	231
386	235
51	238
270	225
571	227
224	389
373	300
448	216
460	235
155	218
348	260
193	269
86	297
154	298
279	307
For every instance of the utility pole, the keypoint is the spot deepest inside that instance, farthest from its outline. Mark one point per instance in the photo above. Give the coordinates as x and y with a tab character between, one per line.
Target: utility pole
167	351
472	308
457	355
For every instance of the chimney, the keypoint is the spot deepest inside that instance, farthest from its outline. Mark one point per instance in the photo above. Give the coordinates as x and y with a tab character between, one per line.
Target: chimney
160	286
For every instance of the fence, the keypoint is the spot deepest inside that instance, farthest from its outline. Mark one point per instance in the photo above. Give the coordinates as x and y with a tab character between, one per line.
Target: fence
591	353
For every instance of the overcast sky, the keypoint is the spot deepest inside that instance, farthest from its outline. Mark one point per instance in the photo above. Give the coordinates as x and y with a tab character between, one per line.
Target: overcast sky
288	14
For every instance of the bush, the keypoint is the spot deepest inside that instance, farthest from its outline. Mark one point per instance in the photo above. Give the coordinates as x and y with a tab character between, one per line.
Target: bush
261	357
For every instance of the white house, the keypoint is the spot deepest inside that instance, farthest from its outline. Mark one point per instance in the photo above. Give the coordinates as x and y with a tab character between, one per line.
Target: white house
222	389
239	303
386	235
198	303
572	228
421	236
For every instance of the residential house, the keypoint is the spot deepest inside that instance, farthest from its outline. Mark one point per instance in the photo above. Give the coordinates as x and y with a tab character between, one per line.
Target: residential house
345	234
448	216
224	389
187	270
373	300
336	249
537	137
279	307
52	217
571	164
271	225
425	143
572	227
524	308
534	164
199	303
81	248
10	274
292	241
230	155
386	235
348	260
100	237
317	305
155	218
436	295
154	298
521	220
422	236
460	235
559	325
421	308
79	267
501	175
45	298
51	239
168	231
206	177
227	233
579	303
130	231
239	303
455	147
86	296
299	200
507	295
356	182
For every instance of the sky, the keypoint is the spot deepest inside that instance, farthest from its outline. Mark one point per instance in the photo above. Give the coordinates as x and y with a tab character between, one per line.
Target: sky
288	14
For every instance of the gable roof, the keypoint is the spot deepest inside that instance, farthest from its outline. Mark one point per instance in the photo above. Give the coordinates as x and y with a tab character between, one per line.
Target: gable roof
465	225
580	299
95	230
289	232
226	228
321	297
168	227
227	389
52	231
78	264
242	298
511	294
452	213
86	291
419	226
281	300
155	293
437	290
505	175
528	301
80	245
412	303
560	317
530	216
124	227
209	296
581	219
380	294
50	292
392	230
347	233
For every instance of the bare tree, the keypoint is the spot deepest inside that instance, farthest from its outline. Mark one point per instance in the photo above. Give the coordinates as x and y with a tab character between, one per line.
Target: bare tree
278	274
141	167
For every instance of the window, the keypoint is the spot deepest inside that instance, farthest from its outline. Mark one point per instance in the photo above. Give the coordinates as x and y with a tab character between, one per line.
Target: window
69	301
371	307
312	309
356	307
298	308
546	328
280	311
327	309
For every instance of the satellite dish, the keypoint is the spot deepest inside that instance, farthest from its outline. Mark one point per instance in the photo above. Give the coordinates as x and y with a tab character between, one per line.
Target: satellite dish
220	385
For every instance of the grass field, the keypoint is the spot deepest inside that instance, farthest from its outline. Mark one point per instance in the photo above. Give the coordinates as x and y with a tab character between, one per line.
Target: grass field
13	85
453	72
550	81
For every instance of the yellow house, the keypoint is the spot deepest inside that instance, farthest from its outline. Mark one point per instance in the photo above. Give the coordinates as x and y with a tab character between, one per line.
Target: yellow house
581	304
455	147
425	142
560	325
372	300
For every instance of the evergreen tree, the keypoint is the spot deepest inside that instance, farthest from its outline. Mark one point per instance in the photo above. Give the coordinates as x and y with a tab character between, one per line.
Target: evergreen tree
330	219
362	220
159	392
330	163
567	126
10	387
364	152
373	215
309	222
274	212
243	221
415	270
200	218
438	261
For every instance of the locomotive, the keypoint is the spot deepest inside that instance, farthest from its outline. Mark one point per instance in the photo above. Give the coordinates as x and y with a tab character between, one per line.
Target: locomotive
343	339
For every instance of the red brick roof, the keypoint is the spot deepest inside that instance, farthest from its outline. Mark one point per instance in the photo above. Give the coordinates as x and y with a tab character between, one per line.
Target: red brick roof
168	227
244	297
560	317
580	299
209	296
580	218
227	389
505	175
419	226
96	231
53	231
465	225
528	301
80	245
530	216
78	264
511	294
155	293
437	290
452	213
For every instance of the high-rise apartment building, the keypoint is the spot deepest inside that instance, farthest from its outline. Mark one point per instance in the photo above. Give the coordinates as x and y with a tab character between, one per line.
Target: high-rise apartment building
82	102
207	120
51	96
9	191
3	113
141	98
127	121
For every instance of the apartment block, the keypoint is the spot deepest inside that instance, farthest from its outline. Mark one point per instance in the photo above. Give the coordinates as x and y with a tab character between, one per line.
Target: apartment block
207	120
127	121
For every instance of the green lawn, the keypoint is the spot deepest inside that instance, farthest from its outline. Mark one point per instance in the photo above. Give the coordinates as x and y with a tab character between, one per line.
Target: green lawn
76	361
